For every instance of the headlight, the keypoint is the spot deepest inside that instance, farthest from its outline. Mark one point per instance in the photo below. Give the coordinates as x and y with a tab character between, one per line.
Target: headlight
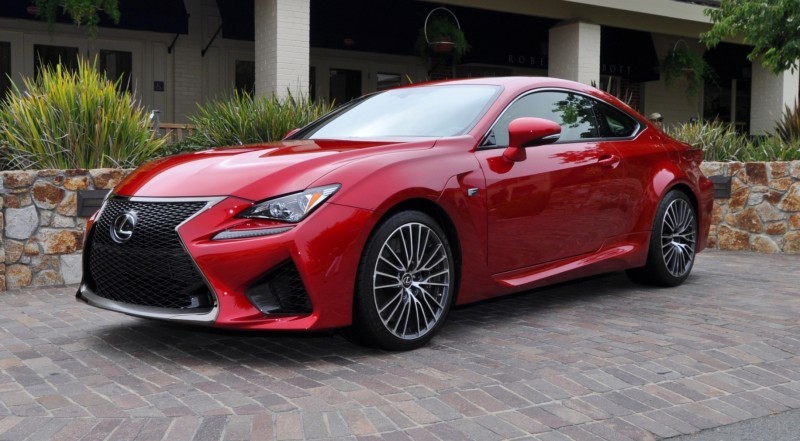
293	207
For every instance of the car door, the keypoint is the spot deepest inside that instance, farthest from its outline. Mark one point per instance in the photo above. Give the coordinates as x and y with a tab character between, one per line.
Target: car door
555	203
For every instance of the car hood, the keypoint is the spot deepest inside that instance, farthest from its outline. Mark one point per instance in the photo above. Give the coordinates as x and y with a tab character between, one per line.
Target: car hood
253	172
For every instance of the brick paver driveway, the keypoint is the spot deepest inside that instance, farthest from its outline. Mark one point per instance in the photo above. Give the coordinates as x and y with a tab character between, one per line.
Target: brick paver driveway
600	359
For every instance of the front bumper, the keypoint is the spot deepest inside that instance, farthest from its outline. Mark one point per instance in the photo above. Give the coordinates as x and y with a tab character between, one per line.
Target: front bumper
324	248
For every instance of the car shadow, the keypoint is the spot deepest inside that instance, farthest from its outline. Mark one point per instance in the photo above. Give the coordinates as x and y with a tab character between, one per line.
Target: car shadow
157	341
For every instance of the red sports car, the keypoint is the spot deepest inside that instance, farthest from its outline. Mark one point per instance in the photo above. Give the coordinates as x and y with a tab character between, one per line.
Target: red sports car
381	215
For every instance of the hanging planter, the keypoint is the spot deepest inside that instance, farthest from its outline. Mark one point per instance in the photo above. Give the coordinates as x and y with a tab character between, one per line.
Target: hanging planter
442	35
680	62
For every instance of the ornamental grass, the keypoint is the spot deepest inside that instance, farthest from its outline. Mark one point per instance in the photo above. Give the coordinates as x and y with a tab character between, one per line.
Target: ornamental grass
74	120
721	142
244	119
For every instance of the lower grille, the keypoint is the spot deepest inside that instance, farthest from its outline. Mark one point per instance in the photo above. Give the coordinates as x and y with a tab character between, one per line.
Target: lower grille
281	291
151	268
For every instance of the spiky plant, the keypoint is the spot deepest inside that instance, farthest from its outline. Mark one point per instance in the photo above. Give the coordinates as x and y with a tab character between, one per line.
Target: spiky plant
243	119
80	119
788	127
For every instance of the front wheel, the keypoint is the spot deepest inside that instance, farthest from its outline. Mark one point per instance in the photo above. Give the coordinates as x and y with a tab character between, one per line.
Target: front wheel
672	243
405	283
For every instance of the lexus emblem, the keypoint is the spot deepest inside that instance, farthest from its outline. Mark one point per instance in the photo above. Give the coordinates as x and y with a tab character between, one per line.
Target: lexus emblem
122	228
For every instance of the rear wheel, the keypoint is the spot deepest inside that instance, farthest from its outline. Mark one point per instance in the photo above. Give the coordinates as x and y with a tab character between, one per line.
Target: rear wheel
672	243
405	283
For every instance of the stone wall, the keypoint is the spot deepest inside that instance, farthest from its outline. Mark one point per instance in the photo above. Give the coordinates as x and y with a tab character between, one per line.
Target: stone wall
42	234
763	212
41	238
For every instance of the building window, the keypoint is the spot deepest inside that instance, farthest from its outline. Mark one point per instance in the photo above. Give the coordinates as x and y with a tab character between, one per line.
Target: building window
117	66
245	78
345	84
50	56
5	68
388	80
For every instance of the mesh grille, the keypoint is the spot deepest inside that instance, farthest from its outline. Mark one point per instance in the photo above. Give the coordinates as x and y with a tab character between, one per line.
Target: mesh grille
281	291
152	268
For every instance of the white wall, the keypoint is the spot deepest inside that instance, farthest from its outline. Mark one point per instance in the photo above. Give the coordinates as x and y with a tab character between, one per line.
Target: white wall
672	101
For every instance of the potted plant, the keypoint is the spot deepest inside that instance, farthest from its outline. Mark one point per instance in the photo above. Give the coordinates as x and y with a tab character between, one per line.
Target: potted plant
680	62
442	35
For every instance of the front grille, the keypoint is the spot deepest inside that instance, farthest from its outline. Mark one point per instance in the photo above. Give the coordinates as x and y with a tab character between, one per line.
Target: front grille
280	291
151	268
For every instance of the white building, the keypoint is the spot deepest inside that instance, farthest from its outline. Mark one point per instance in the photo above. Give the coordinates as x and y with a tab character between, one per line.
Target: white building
178	53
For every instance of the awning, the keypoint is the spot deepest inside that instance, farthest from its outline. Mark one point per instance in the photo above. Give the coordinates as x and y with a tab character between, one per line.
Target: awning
238	19
628	54
167	16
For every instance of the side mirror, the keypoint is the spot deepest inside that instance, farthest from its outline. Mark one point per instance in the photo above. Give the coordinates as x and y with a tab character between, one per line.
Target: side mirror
529	132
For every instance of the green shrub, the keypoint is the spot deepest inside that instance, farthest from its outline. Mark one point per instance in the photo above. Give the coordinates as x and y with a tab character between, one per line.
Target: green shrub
75	119
721	142
244	119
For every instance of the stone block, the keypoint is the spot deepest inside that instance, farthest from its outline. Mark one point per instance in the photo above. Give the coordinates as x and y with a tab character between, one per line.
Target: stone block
776	229
21	222
49	173
60	241
18	276
76	172
764	244
748	220
768	213
756	173
795	166
106	178
792	245
794	221
41	263
757	194
713	168
11	201
13	250
18	179
60	221
791	201
76	183
71	268
781	184
46	195
47	278
779	169
717	213
773	197
45	218
739	199
31	249
69	205
731	239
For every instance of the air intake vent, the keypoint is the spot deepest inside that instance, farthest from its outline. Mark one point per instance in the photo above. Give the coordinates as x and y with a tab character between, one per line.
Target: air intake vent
280	291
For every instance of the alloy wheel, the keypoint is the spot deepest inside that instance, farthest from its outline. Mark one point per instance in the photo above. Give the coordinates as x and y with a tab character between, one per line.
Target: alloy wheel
678	236
411	281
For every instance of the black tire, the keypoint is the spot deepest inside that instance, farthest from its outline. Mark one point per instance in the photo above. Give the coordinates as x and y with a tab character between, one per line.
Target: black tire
671	252
405	283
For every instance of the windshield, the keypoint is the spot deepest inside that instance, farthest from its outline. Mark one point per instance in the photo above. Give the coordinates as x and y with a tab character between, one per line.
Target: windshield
436	110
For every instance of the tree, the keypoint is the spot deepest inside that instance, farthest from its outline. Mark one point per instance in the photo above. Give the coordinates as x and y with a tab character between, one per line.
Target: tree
771	26
82	12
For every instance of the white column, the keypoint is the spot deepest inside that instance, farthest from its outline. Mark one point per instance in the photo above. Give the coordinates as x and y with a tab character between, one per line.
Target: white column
282	46
574	51
769	96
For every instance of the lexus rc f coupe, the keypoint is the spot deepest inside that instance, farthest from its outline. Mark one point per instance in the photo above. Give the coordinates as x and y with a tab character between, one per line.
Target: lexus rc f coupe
381	215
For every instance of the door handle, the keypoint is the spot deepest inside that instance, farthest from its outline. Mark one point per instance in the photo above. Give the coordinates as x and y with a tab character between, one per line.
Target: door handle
608	160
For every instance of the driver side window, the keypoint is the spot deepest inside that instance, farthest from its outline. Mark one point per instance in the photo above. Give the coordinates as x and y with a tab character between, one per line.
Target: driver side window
574	113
